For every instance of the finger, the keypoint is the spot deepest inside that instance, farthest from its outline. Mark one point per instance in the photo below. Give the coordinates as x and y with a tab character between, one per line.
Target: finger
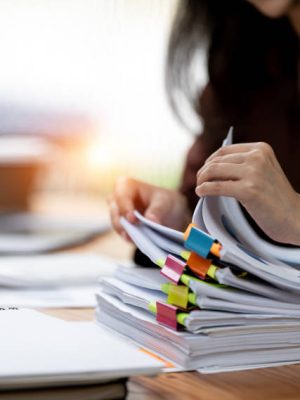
232	149
158	207
219	172
219	188
237	158
115	217
124	195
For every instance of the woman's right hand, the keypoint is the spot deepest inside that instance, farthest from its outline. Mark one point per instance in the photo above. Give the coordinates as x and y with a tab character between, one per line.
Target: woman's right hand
164	206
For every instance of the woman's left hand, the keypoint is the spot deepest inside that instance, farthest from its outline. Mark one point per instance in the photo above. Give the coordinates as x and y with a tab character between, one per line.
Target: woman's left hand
252	175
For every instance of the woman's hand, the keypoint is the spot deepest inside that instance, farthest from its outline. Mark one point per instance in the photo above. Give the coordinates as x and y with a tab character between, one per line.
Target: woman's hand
251	174
164	206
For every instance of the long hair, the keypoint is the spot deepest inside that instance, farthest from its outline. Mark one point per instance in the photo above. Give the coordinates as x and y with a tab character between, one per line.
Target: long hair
246	52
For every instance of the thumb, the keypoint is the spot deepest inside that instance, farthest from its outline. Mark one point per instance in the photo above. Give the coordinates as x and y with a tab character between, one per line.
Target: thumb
158	208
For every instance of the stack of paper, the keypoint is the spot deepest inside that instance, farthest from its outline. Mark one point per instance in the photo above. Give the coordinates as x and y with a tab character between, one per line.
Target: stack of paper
223	298
207	338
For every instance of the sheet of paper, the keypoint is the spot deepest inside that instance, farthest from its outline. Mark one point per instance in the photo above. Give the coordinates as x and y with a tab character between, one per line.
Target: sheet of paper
39	350
144	243
164	230
59	297
58	280
163	242
212	211
148	278
241	228
248	284
64	269
130	294
239	297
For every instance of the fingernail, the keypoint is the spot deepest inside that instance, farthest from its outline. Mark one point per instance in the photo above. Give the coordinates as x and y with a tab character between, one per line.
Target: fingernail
152	216
131	217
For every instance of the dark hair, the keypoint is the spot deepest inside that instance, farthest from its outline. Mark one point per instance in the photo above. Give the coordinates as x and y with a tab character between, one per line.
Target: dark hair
246	51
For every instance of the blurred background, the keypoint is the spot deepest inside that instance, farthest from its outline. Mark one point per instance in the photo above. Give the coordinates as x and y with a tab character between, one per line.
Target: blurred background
82	97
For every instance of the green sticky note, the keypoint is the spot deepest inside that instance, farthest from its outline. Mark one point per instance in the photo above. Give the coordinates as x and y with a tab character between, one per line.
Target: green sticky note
181	317
185	254
152	307
160	263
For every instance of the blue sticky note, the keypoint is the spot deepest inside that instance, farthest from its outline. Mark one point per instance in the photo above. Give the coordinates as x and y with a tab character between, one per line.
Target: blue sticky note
199	242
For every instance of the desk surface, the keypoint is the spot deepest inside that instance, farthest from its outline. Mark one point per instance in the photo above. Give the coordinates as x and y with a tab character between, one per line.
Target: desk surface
269	383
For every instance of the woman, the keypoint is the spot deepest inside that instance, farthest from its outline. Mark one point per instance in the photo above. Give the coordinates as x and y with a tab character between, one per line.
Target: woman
253	68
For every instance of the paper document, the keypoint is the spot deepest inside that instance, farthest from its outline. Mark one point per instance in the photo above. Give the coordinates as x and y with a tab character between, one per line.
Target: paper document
37	350
54	280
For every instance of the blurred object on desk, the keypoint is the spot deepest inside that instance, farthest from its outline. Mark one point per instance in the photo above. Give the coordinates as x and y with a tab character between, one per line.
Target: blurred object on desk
22	159
43	148
57	280
56	124
55	270
30	233
82	206
108	391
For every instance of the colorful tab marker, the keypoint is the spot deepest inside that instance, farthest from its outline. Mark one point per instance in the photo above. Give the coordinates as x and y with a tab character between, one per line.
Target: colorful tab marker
212	271
188	231
160	263
180	316
216	249
199	265
178	295
173	268
185	254
198	241
166	314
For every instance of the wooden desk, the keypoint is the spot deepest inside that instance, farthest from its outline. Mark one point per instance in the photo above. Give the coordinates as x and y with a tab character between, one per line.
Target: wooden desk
271	383
261	384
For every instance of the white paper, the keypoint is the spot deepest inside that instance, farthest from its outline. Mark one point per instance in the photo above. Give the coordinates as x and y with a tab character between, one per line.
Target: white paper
59	280
130	294
143	242
148	278
53	270
59	297
39	350
196	351
164	230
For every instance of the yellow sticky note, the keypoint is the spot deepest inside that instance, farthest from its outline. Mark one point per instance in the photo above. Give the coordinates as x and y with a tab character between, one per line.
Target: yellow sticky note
178	295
